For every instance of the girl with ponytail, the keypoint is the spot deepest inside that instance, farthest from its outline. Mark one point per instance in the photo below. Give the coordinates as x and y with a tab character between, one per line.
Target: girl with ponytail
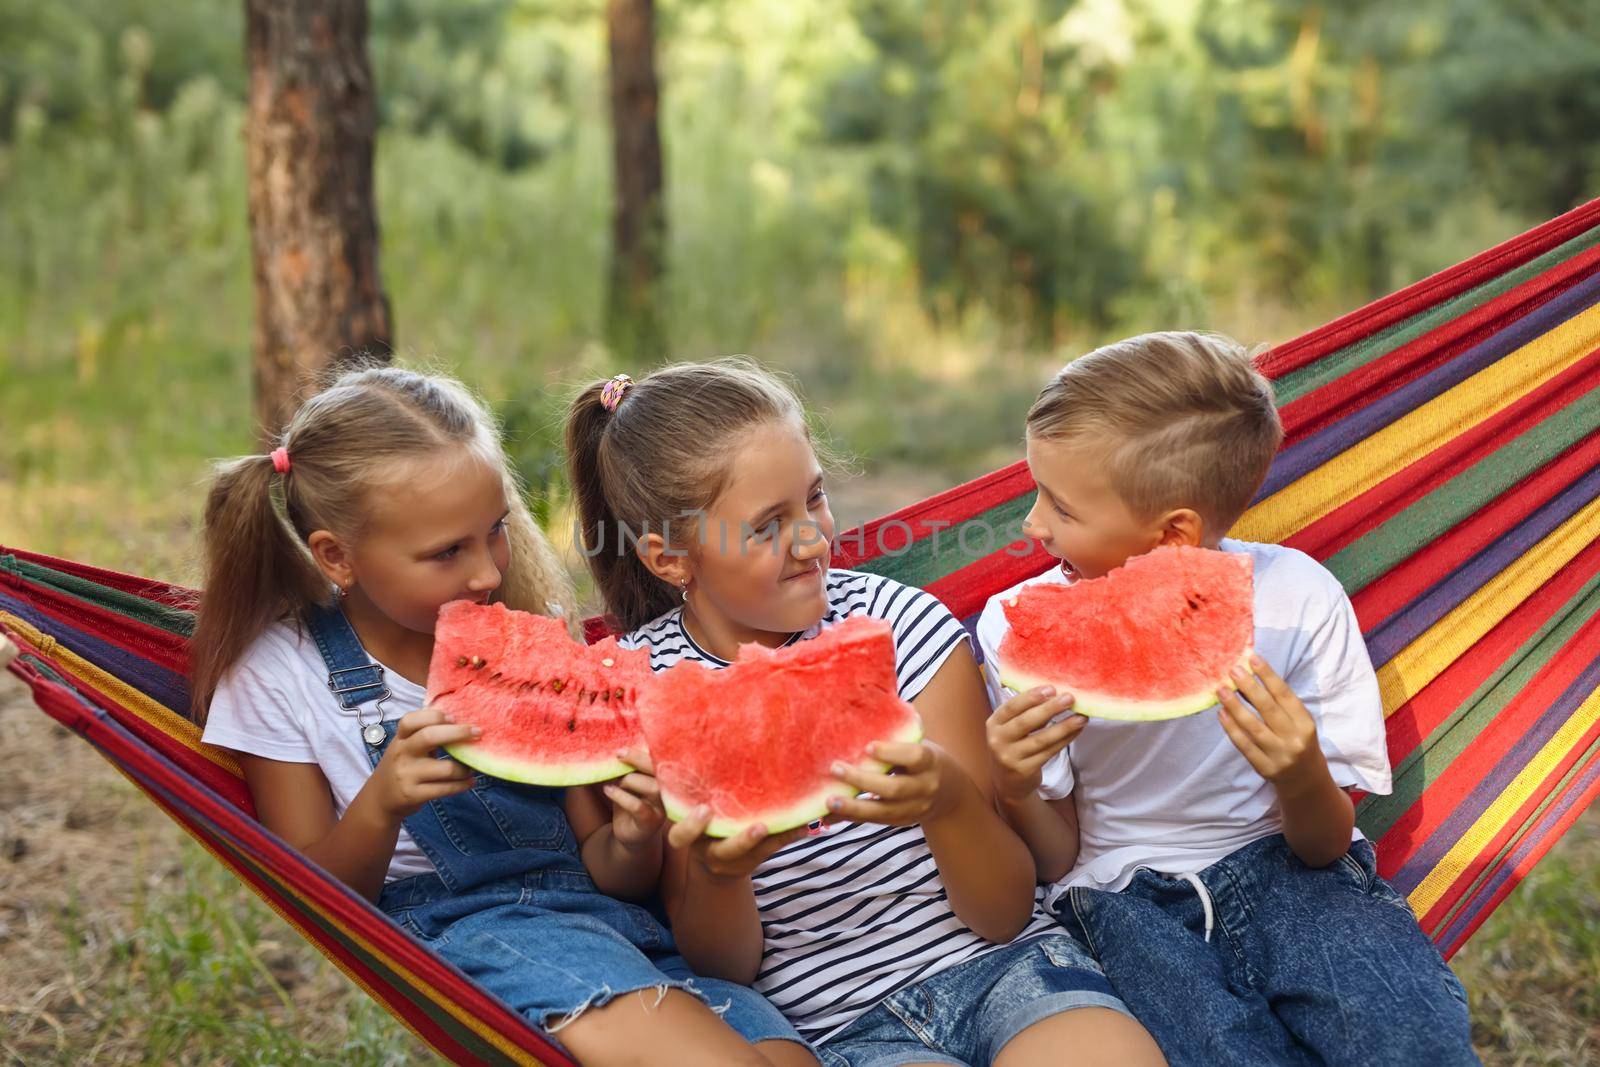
326	563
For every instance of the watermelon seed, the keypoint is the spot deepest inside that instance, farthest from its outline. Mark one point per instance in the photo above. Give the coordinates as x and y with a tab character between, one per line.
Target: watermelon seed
619	693
606	696
556	685
608	662
476	663
461	661
572	725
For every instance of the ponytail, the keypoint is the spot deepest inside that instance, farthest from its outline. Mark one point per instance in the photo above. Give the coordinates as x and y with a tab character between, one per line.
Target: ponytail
256	571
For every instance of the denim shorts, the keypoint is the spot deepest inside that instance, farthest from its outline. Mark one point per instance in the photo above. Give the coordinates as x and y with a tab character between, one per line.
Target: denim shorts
966	1013
551	947
1259	959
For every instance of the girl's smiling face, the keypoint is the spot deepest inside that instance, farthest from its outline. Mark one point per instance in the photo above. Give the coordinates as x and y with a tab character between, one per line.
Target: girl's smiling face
759	560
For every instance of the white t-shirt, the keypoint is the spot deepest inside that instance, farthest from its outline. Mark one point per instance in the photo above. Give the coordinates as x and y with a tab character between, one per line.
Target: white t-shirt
1176	796
856	912
275	703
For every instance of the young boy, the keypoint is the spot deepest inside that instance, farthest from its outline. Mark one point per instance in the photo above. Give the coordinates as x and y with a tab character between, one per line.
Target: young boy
1211	863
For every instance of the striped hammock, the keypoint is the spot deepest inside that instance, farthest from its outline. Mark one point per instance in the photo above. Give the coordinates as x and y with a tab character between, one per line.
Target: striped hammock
1442	459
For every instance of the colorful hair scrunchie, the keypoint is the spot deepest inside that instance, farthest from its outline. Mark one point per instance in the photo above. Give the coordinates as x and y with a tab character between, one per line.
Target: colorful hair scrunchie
611	395
280	460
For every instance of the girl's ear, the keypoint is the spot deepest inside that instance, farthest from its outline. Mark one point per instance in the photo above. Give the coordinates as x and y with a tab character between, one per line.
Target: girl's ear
1183	527
666	562
333	558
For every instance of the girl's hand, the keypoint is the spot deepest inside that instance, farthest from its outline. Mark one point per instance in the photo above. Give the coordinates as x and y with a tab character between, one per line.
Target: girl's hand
1274	731
636	812
409	775
920	786
1022	739
727	858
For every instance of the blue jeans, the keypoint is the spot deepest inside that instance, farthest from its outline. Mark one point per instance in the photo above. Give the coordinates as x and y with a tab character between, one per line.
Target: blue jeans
551	947
1299	966
967	1013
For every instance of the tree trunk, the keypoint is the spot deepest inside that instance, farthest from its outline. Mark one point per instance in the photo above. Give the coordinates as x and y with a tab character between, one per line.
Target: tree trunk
639	222
309	133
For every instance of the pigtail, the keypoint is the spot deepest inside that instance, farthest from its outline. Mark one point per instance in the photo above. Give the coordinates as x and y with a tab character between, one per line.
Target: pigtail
631	592
536	581
256	572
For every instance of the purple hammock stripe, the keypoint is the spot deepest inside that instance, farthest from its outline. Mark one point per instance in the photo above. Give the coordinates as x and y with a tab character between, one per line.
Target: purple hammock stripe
1552	815
164	686
1388	638
1301	458
1426	856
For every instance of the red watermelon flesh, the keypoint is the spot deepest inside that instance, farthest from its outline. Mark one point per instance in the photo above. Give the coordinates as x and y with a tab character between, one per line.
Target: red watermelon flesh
1153	639
755	740
553	712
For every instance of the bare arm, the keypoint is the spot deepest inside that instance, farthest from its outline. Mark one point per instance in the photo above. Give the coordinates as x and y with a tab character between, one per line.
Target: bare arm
709	898
293	800
944	784
1279	738
621	846
1021	740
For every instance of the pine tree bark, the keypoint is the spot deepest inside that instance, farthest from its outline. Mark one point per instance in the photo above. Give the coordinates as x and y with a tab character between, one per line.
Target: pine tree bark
310	128
638	221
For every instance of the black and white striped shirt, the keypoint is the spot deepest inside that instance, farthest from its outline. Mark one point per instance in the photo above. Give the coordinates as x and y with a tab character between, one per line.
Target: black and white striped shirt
859	911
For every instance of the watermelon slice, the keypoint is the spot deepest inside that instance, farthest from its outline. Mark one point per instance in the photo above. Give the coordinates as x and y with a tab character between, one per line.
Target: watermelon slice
553	712
1153	639
755	740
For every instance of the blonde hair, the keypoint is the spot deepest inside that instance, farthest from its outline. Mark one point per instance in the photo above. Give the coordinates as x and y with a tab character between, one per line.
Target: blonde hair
657	463
1182	420
257	567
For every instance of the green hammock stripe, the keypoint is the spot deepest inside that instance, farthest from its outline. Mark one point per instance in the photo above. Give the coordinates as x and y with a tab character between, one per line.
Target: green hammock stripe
149	612
1429	517
1438	751
940	554
1297	383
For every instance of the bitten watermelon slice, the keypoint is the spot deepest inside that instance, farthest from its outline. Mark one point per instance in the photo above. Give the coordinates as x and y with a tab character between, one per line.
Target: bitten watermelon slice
552	711
1153	639
755	740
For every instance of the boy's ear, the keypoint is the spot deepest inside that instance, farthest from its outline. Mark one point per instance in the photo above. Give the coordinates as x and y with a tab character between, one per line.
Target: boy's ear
1183	527
332	558
666	562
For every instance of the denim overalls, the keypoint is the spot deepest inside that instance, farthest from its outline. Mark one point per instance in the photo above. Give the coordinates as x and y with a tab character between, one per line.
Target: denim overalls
510	902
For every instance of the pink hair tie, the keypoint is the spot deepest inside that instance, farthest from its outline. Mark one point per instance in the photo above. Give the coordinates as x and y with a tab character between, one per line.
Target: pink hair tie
280	460
611	395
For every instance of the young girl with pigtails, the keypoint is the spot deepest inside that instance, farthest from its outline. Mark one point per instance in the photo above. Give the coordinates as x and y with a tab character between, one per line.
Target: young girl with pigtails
905	932
326	563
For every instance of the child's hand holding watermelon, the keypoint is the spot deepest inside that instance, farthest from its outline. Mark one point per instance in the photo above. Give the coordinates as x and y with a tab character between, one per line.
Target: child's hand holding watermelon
725	859
636	812
1023	735
921	784
409	775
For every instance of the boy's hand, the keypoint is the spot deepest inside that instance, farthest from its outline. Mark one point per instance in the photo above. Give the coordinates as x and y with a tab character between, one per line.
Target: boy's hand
1278	737
727	858
409	775
636	812
1022	739
921	785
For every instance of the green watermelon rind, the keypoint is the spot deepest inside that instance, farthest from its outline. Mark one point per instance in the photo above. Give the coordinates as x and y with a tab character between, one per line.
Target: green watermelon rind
801	813
556	774
1121	708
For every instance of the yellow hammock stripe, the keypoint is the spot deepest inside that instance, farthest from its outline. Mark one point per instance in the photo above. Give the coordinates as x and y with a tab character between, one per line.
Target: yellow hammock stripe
1473	843
1420	662
1402	442
156	714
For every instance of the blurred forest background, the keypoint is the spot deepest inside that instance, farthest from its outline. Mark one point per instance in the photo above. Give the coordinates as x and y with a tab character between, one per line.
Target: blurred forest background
918	207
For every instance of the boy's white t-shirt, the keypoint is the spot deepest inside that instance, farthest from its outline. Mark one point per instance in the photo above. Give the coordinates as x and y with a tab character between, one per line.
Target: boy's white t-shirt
275	703
1176	796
